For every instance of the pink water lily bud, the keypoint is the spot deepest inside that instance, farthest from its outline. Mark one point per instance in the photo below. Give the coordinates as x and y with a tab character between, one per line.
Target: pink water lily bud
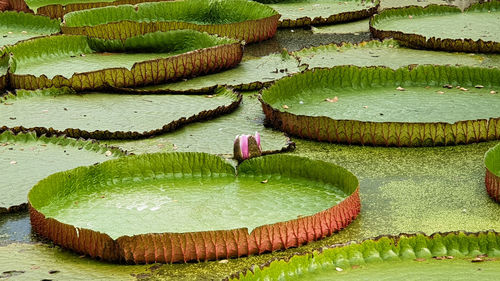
247	146
257	138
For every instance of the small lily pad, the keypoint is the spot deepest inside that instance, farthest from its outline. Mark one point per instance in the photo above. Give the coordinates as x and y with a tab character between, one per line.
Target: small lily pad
240	19
89	63
37	157
110	115
157	200
441	27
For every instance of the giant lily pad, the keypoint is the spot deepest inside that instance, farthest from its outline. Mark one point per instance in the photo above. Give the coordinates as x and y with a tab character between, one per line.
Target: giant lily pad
387	53
355	105
190	206
251	74
492	181
89	63
25	159
442	27
296	13
58	8
110	115
398	251
240	19
15	27
214	136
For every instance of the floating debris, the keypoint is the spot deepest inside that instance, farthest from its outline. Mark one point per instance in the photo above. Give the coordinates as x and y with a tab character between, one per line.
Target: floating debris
479	86
400	89
285	106
448	86
440	92
265	181
493	92
463	89
335	99
108	153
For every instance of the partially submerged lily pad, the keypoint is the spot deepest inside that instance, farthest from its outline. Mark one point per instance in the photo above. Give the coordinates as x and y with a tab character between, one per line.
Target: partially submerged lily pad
110	115
212	214
492	180
387	53
58	8
25	159
442	27
381	106
327	263
89	63
37	261
295	13
18	26
250	74
239	19
214	136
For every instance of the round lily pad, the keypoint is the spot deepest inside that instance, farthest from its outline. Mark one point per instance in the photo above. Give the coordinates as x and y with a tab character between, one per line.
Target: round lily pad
492	180
18	26
177	207
58	8
90	63
25	159
240	19
387	53
110	115
251	74
381	106
441	27
407	252
295	13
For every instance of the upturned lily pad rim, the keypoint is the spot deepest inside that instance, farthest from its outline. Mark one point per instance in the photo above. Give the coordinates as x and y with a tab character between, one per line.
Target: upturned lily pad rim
421	41
252	28
377	249
105	78
492	178
281	120
343	17
236	99
138	248
59	10
24	136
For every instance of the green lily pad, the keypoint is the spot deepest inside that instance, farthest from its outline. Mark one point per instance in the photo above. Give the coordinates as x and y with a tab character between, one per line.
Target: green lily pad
58	8
88	63
441	27
381	106
25	159
360	26
385	4
214	136
240	19
492	180
204	200
250	74
18	26
403	250
45	262
387	53
110	115
295	13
